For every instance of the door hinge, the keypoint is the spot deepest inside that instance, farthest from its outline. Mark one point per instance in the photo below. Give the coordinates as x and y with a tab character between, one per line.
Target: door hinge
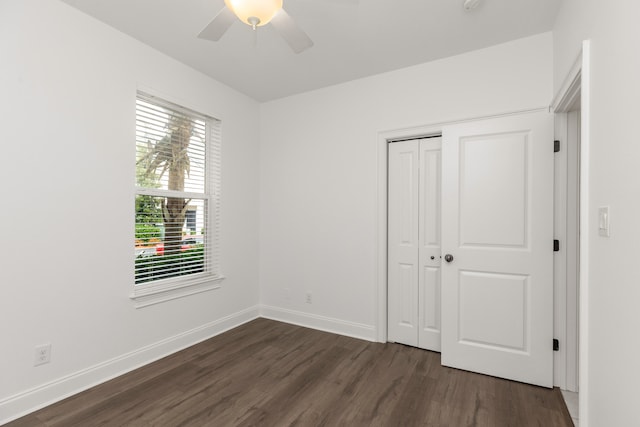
556	245
556	146
556	345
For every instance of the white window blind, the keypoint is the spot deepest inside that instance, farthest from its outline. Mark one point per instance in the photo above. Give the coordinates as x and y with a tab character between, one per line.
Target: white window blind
177	197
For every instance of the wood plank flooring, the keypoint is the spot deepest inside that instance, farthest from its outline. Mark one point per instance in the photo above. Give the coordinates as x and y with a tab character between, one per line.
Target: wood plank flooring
267	373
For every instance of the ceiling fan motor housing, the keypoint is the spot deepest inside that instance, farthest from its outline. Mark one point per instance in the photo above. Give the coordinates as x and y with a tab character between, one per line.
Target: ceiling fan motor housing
471	4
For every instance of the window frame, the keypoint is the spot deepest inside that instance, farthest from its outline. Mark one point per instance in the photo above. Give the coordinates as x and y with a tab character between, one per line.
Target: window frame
161	290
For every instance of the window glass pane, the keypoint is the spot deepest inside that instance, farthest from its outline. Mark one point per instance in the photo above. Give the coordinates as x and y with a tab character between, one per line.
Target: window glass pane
170	237
170	149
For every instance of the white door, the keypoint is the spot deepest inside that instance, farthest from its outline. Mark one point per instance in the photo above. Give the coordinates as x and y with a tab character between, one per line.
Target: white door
414	243
497	224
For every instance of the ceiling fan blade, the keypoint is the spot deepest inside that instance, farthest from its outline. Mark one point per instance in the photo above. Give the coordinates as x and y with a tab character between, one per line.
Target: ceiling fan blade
297	39
219	25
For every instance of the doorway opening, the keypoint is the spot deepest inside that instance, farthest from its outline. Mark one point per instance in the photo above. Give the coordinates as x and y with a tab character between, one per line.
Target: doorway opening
570	214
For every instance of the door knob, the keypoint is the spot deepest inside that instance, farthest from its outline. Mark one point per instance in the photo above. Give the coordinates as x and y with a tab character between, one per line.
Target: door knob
448	257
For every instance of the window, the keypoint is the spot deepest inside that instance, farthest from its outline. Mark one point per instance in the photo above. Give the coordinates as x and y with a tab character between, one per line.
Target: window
177	197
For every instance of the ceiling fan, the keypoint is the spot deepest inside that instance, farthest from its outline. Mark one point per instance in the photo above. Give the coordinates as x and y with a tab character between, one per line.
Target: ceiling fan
257	13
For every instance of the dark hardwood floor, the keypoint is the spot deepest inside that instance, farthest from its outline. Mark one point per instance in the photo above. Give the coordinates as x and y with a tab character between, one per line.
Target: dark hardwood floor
267	373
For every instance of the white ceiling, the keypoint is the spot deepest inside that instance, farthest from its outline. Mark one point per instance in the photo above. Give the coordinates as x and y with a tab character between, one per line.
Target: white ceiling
352	39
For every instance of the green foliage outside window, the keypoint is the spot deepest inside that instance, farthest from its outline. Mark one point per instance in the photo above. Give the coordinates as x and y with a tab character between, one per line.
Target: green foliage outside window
156	267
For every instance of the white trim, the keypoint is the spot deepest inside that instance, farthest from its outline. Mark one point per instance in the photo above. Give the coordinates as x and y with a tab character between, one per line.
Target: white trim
585	141
573	249
23	403
567	359
161	291
380	262
570	88
428	129
321	323
560	258
143	191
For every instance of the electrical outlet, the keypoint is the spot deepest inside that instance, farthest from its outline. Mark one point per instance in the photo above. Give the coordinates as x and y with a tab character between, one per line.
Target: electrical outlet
308	297
43	355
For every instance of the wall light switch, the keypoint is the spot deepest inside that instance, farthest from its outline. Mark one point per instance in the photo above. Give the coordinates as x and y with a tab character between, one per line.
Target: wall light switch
603	221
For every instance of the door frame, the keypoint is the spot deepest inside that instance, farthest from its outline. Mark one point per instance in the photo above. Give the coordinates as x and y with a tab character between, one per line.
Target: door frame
380	263
578	83
566	289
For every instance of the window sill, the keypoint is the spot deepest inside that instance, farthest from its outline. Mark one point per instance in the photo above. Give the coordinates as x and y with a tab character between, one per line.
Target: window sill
170	289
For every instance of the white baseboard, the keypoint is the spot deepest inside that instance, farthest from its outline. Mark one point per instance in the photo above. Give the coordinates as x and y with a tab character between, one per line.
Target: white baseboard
31	400
36	398
322	323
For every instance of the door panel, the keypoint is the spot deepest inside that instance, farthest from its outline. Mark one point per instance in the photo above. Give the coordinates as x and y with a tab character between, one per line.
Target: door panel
506	327
493	190
403	236
430	308
497	293
429	242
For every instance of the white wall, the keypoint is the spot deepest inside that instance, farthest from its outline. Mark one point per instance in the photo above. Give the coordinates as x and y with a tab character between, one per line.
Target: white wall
67	107
319	171
614	278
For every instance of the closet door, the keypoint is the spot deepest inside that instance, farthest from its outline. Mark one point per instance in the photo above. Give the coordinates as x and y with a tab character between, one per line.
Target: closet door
403	242
497	235
414	243
429	244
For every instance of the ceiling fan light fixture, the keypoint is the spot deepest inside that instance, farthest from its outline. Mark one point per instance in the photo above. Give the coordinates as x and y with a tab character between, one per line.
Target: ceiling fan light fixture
255	13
